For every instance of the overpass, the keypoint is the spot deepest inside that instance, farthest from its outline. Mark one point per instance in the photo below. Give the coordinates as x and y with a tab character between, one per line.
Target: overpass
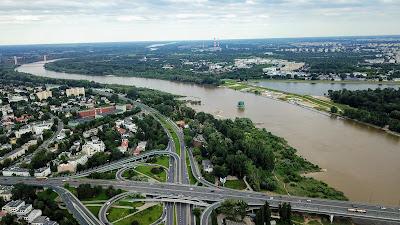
211	194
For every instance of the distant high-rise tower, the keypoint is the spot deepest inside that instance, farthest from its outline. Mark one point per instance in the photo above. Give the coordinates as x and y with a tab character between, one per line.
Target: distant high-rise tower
45	58
215	42
15	60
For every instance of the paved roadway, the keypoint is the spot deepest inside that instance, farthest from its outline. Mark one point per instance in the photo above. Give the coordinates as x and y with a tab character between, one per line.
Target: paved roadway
207	194
178	173
183	210
80	212
126	162
174	171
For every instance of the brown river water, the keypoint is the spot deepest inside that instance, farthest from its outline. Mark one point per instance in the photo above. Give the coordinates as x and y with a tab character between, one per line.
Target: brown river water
359	160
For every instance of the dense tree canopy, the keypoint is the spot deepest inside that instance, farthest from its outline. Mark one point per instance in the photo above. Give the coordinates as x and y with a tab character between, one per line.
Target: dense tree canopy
380	107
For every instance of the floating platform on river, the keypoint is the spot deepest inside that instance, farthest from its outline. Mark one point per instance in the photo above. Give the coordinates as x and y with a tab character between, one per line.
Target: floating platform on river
240	105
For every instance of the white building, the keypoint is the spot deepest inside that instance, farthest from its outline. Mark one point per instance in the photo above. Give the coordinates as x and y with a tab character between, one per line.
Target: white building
13	154
89	133
40	220
5	192
13	206
75	91
94	146
120	108
42	172
40	127
72	164
33	215
23	130
15	171
44	95
207	166
24	210
130	126
17	98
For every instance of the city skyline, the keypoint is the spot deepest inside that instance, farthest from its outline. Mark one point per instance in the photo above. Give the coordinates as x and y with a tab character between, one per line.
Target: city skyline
45	21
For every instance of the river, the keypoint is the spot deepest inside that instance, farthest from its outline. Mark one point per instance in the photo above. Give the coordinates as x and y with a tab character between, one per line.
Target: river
361	161
318	88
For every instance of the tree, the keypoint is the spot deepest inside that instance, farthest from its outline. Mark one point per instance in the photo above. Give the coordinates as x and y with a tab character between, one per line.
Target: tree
285	213
23	192
196	212
334	109
263	215
233	209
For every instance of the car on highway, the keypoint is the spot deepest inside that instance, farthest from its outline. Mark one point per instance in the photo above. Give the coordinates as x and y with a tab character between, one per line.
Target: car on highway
361	210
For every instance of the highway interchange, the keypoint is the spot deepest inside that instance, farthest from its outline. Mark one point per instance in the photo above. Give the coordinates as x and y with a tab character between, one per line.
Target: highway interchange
177	191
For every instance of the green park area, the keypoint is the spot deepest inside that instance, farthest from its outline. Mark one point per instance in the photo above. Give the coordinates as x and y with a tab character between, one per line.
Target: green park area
144	217
235	184
156	172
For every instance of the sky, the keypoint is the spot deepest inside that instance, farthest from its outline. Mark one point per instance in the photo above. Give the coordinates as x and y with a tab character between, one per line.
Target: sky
76	21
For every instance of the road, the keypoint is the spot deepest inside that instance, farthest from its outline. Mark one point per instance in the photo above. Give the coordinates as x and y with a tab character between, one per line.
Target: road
208	194
126	162
80	212
174	171
178	187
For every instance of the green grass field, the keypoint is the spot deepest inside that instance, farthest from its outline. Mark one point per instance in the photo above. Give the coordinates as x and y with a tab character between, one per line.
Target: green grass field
162	177
145	217
173	134
192	179
235	184
94	209
162	161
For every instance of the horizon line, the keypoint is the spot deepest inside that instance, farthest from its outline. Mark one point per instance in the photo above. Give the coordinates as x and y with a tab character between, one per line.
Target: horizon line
193	40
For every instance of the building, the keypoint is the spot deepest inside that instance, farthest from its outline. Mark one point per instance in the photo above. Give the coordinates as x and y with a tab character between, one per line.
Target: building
199	141
75	91
181	124
90	133
33	215
13	206
140	148
15	171
121	108
13	154
17	98
23	130
92	113
24	210
42	172
42	220
130	126
124	145
5	192
207	166
44	95
93	146
72	164
40	127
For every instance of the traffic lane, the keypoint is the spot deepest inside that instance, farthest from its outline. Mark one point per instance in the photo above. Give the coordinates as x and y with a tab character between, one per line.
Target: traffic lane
210	194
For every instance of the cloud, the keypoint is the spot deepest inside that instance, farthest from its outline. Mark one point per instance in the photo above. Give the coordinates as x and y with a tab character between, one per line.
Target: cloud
207	17
130	18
